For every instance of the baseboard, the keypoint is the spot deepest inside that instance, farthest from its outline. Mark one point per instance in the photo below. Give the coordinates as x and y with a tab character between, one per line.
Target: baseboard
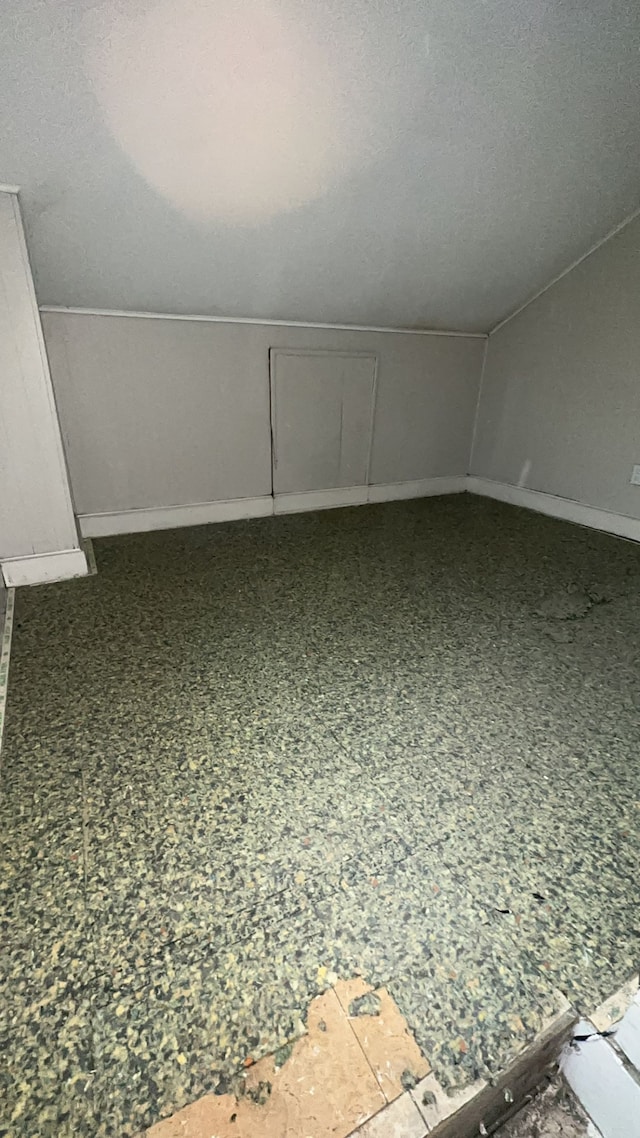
174	517
361	495
42	568
420	488
204	513
565	508
320	499
606	1086
234	509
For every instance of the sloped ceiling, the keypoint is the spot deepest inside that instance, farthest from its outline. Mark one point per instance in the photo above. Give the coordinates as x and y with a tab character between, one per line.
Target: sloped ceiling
427	163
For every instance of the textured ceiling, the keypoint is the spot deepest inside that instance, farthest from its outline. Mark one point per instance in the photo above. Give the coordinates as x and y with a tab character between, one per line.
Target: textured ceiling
426	163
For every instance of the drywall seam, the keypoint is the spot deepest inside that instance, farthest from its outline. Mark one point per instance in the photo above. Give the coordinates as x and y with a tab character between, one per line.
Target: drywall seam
569	510
477	413
262	322
569	269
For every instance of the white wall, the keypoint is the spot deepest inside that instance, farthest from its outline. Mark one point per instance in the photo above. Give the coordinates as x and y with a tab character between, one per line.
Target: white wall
162	412
560	404
38	535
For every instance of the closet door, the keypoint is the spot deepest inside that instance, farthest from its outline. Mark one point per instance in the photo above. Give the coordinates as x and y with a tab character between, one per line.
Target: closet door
322	413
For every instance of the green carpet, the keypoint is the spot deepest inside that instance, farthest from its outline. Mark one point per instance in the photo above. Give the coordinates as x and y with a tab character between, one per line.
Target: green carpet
400	739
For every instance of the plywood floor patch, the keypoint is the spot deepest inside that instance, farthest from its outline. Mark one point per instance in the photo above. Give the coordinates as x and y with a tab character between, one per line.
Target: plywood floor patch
392	1052
339	1075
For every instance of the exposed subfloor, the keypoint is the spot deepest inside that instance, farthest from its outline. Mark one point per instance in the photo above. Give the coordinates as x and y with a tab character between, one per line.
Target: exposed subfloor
244	761
553	1114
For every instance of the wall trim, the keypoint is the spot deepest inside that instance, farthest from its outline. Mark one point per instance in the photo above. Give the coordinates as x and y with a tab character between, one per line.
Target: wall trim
556	507
174	517
261	321
235	509
606	1086
41	568
569	269
301	501
421	488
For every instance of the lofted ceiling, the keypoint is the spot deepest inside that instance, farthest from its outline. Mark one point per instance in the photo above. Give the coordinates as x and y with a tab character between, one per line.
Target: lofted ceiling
414	163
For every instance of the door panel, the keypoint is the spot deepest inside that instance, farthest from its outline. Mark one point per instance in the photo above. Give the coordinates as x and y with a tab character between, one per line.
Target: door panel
322	409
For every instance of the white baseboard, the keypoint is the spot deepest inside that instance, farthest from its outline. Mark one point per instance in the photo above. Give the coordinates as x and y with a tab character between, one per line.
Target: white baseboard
173	517
566	508
361	495
319	499
41	568
421	488
605	1086
203	513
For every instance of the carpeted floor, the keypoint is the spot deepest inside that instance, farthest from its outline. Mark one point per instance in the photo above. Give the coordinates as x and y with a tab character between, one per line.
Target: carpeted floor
245	760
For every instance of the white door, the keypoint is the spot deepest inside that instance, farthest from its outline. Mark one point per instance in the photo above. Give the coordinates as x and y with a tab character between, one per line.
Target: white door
322	414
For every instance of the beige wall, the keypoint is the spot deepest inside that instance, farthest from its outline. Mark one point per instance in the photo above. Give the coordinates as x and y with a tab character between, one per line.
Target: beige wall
560	403
161	412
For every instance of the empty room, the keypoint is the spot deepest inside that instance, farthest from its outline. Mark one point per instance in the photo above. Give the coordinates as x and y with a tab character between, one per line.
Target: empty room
320	569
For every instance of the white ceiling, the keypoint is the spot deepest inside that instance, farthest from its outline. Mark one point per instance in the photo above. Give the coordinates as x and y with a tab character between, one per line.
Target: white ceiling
426	163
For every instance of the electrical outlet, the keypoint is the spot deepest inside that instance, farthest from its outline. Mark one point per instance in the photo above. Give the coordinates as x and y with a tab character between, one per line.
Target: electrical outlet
635	476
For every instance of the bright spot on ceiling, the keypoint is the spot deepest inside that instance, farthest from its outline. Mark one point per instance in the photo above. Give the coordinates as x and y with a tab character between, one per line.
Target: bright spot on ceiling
230	110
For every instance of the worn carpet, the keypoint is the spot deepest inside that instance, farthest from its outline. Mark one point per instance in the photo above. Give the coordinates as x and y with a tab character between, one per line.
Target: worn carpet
244	760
